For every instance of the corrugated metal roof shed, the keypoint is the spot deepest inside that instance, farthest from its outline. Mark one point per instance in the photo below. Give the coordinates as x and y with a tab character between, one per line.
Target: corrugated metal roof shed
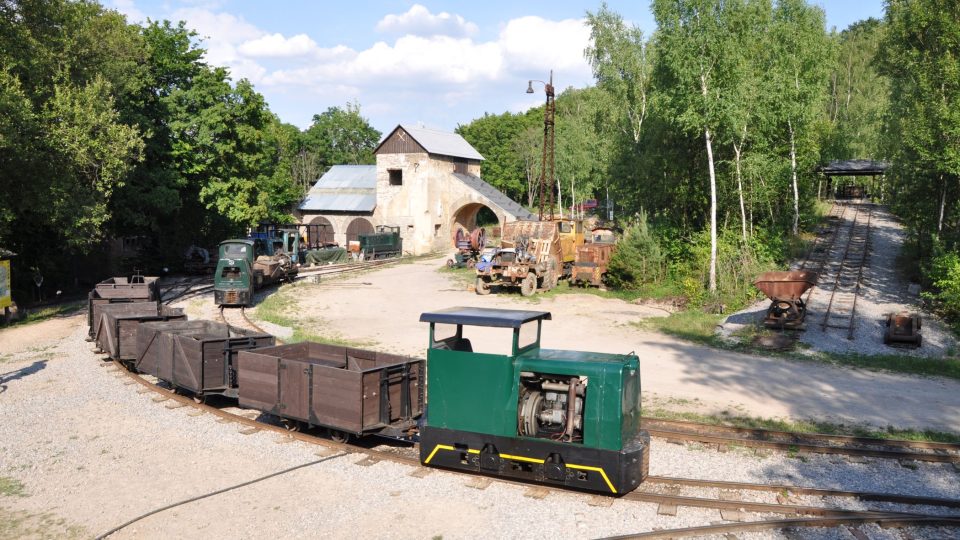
439	142
496	196
344	188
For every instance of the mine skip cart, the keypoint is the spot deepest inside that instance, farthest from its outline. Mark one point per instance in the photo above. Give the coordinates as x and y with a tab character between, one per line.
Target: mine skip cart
785	291
117	290
116	334
568	418
348	391
197	356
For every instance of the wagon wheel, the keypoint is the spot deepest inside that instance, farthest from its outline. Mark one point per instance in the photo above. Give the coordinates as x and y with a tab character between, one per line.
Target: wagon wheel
200	399
290	424
471	263
339	436
450	263
529	285
482	287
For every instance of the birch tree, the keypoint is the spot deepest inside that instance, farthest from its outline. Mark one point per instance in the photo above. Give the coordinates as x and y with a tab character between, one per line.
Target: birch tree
802	55
694	42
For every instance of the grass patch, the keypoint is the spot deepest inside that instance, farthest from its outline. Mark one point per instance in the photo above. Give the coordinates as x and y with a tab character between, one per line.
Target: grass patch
911	365
461	276
49	312
692	325
805	426
11	487
278	308
21	524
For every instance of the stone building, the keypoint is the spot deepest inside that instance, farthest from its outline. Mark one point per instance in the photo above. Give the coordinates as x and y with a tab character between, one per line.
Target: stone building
426	182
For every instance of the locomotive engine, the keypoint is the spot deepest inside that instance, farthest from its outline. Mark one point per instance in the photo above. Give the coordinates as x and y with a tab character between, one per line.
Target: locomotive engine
554	416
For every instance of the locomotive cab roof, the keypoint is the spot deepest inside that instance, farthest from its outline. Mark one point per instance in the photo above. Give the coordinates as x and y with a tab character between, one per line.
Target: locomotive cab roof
237	241
476	316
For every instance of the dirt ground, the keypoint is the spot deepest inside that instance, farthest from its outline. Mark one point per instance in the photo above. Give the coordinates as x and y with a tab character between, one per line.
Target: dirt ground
87	451
382	309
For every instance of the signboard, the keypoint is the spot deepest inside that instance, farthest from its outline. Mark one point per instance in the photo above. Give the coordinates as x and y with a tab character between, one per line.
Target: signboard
5	284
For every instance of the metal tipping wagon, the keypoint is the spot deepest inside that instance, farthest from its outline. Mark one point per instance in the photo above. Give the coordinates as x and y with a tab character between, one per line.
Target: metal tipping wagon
785	291
197	356
348	391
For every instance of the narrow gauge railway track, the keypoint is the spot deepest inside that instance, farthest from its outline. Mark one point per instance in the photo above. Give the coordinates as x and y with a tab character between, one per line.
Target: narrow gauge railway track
843	276
819	253
817	443
238	317
188	288
842	516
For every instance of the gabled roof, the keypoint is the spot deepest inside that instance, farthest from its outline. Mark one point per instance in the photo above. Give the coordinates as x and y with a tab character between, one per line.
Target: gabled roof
496	196
344	188
6	254
442	143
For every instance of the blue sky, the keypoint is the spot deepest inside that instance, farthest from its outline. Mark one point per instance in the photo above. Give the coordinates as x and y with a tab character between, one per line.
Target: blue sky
436	63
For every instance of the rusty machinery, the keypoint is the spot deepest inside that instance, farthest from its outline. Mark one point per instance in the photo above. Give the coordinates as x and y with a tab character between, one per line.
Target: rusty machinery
903	328
469	245
785	291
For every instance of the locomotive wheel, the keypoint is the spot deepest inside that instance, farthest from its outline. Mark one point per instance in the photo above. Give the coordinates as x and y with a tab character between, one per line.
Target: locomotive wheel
471	263
339	436
529	285
482	287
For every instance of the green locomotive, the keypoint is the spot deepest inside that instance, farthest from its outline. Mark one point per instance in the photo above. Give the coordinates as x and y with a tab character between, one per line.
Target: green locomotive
554	416
385	242
247	264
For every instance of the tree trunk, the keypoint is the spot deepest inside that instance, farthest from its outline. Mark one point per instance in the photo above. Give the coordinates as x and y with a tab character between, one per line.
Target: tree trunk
793	169
743	210
943	204
713	212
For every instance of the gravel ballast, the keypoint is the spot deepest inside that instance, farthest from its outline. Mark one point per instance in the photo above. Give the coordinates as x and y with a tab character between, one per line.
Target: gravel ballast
93	451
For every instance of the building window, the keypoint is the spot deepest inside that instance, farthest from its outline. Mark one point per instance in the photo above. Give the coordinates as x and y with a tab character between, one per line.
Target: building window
396	177
460	166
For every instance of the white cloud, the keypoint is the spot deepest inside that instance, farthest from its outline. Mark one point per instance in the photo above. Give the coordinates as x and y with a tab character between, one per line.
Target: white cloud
418	21
533	44
128	8
277	46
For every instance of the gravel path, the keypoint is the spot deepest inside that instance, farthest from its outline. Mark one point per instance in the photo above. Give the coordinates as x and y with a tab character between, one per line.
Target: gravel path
92	451
881	293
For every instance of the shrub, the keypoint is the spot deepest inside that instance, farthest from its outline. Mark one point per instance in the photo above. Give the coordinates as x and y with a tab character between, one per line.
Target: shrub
944	275
638	259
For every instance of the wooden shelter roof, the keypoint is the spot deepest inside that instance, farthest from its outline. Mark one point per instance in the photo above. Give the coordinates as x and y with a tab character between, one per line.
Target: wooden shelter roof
855	167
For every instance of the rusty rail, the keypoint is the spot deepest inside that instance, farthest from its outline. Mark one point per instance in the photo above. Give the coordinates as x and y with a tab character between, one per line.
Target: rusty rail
811	443
858	244
842	515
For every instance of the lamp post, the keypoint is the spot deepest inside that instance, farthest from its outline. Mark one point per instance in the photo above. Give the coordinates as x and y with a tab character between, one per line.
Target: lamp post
546	166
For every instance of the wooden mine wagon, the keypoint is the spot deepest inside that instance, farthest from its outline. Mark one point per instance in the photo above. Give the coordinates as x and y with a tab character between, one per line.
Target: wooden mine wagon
120	290
117	333
99	309
348	391
197	356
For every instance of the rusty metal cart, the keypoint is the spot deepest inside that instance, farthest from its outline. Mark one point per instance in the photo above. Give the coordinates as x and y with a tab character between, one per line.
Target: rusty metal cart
785	291
904	328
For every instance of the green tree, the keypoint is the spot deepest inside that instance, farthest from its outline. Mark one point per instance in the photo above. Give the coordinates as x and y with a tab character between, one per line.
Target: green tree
493	136
695	45
341	136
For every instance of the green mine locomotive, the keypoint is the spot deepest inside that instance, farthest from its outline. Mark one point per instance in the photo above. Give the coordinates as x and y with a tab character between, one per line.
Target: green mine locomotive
560	417
246	265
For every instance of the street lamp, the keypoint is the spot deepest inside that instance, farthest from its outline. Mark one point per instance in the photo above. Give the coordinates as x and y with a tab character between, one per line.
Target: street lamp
546	166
